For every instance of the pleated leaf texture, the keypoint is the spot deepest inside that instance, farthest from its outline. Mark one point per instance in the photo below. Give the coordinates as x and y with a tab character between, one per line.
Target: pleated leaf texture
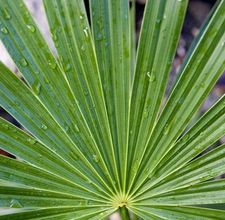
99	134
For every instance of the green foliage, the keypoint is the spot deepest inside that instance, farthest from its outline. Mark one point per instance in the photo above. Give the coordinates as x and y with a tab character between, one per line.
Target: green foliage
97	140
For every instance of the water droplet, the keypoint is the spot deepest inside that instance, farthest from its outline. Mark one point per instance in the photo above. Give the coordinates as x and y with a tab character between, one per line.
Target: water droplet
81	16
158	21
164	16
96	158
77	129
17	103
31	28
46	80
6	127
166	129
67	128
23	62
44	127
82	48
185	137
52	64
15	204
36	87
151	76
31	141
99	37
4	30
86	31
68	67
54	37
223	44
6	14
181	101
145	113
202	84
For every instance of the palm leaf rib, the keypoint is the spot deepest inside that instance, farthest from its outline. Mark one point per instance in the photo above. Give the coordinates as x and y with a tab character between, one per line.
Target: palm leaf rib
97	137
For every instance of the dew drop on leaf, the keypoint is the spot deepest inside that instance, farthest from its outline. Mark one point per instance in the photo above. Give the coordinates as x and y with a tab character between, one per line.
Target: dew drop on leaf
77	128
86	31
6	14
31	141
44	127
99	37
68	67
15	204
54	36
23	62
17	103
185	137
36	87
31	28
145	113
6	127
82	48
67	128
202	84
151	76
96	158
52	64
158	21
46	80
166	129
4	30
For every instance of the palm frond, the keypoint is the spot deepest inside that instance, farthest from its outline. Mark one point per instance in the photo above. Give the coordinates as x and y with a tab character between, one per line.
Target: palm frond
97	135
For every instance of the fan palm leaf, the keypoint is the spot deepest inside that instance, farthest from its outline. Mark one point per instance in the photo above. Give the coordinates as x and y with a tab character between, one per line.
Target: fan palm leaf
97	135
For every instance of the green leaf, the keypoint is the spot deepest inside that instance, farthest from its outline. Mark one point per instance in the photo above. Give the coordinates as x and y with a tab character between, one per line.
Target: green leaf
211	192
26	108
181	213
157	45
44	75
17	197
27	175
199	74
206	167
30	150
111	24
56	213
207	130
95	139
69	27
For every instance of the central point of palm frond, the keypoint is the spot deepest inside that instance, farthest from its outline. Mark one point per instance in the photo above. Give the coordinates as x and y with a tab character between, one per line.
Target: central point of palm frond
120	200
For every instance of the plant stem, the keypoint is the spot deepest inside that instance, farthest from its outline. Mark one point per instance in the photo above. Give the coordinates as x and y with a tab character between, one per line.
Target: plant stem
124	213
135	217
